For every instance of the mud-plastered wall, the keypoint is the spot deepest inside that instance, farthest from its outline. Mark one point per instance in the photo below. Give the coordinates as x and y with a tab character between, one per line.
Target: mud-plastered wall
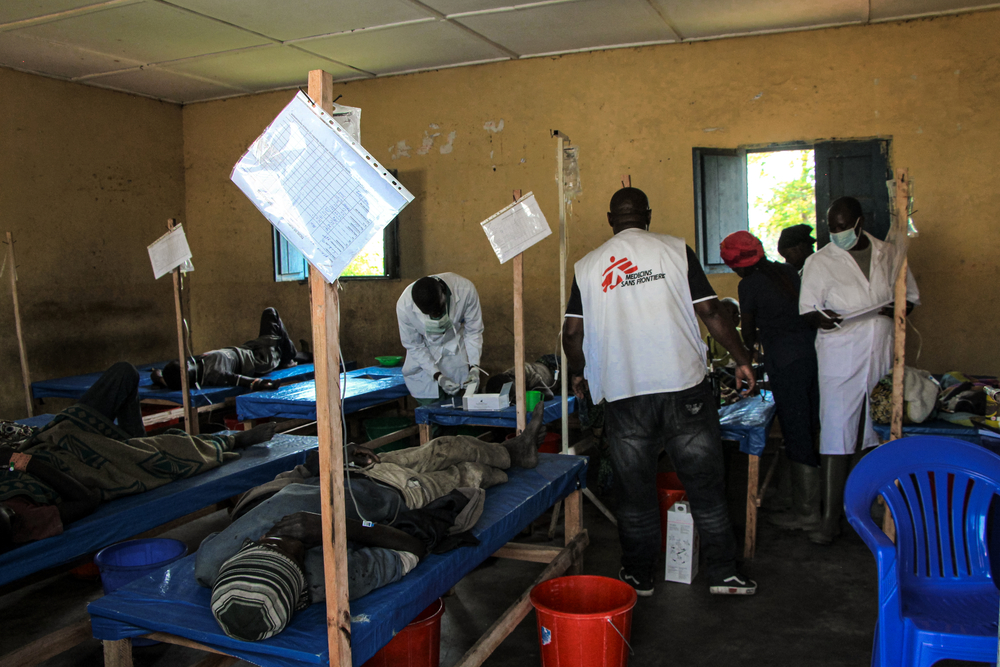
88	178
463	139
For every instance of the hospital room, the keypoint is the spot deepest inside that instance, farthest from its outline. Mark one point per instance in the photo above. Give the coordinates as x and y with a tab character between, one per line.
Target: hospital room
437	333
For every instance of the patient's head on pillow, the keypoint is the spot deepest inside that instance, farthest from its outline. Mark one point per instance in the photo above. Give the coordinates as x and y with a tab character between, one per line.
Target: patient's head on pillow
257	592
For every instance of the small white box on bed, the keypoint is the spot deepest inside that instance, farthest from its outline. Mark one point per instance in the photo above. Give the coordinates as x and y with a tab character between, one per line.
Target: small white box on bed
490	402
682	544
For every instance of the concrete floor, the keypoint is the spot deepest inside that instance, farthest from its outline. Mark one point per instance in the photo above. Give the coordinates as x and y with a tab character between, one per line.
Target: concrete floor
814	606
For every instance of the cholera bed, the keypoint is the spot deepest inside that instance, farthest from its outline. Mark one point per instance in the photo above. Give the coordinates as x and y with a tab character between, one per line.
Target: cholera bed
445	414
206	399
170	606
130	516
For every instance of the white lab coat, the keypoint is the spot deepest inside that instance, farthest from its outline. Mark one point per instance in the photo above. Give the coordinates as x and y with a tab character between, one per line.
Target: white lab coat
853	358
450	353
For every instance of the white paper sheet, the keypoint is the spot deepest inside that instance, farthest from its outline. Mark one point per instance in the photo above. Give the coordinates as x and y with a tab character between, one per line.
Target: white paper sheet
318	186
169	252
864	311
516	228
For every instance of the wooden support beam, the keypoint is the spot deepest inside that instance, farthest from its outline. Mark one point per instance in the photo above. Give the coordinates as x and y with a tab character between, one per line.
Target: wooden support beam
573	507
425	433
326	345
49	646
190	416
561	141
21	348
535	553
753	479
118	653
392	437
497	632
519	388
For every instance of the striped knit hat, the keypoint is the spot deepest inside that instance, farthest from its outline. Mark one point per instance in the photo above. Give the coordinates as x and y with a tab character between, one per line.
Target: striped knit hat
257	592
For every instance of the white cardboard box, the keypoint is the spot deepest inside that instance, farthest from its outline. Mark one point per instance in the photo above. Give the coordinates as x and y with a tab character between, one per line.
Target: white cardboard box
682	544
489	402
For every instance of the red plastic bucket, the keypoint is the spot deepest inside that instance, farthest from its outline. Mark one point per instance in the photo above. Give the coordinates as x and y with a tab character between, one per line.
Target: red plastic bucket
416	645
668	490
584	621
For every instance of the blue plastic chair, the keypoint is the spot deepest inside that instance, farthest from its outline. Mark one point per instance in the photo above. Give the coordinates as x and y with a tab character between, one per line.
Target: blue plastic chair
937	599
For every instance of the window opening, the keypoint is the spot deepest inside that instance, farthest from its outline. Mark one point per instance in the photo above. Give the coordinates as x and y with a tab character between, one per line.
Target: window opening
781	192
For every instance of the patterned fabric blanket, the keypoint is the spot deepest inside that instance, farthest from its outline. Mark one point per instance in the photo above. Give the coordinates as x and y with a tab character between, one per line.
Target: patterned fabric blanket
86	446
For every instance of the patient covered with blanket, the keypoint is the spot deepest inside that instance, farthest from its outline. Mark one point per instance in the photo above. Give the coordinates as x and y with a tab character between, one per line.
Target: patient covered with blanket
60	473
404	504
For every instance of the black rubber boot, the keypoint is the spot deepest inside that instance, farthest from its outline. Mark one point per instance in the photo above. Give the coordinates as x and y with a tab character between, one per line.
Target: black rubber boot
805	514
834	477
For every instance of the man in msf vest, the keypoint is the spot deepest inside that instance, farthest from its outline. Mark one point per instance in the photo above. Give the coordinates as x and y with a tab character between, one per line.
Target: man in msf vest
631	337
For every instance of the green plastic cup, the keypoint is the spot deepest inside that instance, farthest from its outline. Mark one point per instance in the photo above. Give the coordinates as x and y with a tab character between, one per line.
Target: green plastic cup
531	399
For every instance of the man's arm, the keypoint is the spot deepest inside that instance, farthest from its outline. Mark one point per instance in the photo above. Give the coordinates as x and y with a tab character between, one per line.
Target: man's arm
414	342
722	329
77	501
573	345
473	316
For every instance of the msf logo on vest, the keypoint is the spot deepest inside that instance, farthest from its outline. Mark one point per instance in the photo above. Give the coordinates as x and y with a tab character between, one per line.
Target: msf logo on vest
619	271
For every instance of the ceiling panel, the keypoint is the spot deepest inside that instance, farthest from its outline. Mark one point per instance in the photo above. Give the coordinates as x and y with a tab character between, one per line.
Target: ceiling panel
38	55
712	18
890	9
148	32
404	48
568	27
19	10
461	6
305	18
264	68
165	85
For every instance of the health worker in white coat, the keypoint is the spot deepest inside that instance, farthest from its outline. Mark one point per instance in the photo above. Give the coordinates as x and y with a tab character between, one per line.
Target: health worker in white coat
851	274
441	327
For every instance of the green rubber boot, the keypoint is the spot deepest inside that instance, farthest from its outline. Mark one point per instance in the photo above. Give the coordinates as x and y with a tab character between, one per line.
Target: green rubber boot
804	514
834	477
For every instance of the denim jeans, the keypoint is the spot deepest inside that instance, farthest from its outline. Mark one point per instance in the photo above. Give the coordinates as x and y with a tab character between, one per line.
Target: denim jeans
368	568
686	425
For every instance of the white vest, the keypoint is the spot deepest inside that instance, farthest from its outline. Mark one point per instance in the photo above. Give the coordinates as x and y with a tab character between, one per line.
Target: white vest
641	335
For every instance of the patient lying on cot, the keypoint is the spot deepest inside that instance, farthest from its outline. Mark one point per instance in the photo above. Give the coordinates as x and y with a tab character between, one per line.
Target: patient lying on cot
237	366
63	471
269	562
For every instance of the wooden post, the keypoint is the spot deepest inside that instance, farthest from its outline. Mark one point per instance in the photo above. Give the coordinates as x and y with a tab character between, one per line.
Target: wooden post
518	263
326	344
626	181
561	141
753	478
899	310
190	416
22	349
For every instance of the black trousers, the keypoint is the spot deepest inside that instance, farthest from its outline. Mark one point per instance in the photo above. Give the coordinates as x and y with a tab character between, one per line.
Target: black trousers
116	396
271	325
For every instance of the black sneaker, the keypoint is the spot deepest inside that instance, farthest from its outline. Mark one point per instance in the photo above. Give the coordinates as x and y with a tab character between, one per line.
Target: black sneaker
643	587
733	585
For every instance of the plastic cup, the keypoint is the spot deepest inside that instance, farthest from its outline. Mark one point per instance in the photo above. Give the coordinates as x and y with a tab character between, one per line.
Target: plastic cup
531	399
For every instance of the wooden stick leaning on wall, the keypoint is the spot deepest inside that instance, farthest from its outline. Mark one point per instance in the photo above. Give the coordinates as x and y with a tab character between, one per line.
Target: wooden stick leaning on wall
21	348
561	142
190	415
902	205
326	343
518	263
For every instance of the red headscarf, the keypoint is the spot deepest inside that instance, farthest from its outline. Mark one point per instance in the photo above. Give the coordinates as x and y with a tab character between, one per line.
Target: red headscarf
741	249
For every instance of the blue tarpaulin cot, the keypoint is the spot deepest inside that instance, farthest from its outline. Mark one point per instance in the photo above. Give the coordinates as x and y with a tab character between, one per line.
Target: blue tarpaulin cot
170	601
444	414
361	388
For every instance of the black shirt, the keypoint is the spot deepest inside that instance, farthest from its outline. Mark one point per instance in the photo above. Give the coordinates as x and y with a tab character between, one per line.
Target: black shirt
698	283
785	336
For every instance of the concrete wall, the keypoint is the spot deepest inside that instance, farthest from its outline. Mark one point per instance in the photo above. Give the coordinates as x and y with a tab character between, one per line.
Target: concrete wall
88	178
929	85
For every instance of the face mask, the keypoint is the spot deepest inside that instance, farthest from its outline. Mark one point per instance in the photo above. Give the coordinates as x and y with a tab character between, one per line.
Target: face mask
438	327
846	239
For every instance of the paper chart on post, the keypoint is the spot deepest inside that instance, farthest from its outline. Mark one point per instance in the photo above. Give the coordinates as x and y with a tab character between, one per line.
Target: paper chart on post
318	186
515	228
169	252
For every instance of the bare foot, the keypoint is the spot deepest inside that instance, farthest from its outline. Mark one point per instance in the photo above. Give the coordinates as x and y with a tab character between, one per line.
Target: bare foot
523	449
256	435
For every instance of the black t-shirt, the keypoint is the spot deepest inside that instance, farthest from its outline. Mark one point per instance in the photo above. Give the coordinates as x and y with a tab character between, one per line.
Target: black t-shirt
701	289
784	335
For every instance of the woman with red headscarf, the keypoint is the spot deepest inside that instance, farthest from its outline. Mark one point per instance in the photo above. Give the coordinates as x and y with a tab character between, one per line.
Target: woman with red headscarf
769	303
